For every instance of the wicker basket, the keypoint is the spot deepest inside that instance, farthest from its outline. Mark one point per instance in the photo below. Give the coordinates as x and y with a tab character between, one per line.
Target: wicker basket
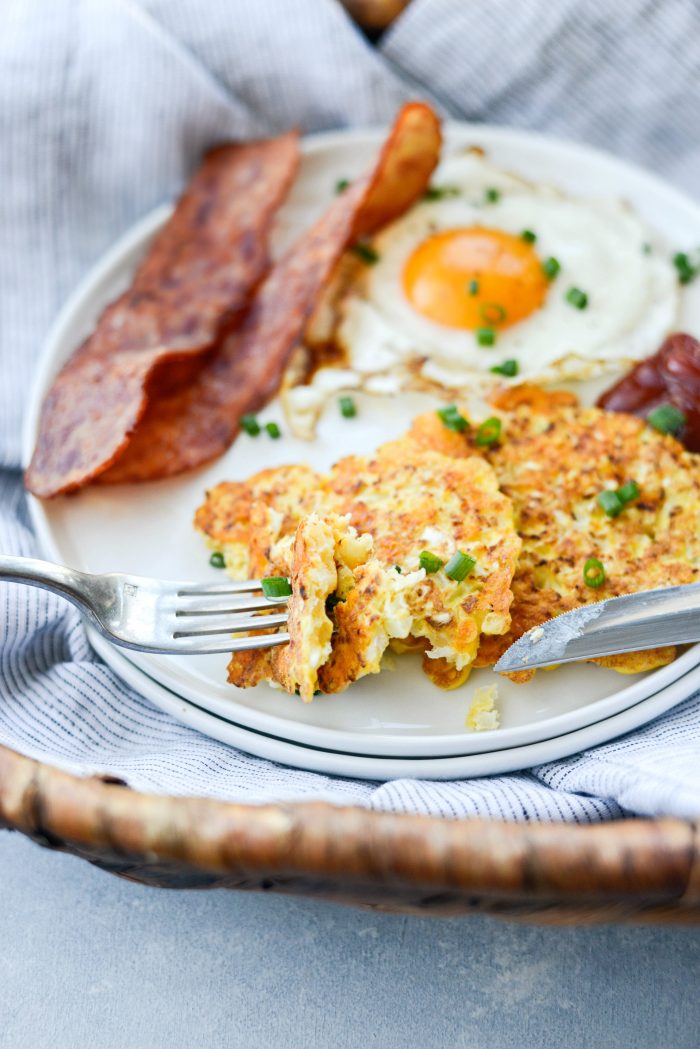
638	870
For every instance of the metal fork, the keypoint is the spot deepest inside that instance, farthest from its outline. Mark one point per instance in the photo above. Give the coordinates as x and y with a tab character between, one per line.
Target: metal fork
151	615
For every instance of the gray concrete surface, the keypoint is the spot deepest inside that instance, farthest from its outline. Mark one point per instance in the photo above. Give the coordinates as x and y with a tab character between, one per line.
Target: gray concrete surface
91	962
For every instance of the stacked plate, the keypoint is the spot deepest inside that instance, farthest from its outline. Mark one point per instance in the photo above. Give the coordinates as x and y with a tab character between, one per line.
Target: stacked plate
395	724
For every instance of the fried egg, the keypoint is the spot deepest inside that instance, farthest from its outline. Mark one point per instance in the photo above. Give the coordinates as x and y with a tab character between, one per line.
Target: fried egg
488	268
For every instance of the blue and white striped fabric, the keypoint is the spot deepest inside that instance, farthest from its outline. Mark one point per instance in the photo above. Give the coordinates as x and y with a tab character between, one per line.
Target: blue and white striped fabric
105	107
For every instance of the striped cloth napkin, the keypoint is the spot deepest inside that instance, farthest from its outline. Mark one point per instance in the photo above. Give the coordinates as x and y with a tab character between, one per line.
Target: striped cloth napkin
106	106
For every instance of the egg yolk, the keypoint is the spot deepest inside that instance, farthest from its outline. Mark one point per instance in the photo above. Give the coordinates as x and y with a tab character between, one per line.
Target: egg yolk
474	278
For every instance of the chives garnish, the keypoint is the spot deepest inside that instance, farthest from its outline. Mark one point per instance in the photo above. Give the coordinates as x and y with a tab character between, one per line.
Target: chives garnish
397	568
453	418
430	562
473	287
528	236
492	313
273	430
686	268
551	267
439	192
614	502
610	502
485	336
492	195
509	368
488	433
577	298
250	424
365	252
342	184
629	492
332	600
276	586
667	419
594	573
217	560
347	407
459	566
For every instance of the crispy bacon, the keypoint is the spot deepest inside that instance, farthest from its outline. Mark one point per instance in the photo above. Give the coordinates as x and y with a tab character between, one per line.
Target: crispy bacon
196	279
196	422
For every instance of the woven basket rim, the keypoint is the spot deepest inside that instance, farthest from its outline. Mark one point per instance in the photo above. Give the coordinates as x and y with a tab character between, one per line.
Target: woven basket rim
653	862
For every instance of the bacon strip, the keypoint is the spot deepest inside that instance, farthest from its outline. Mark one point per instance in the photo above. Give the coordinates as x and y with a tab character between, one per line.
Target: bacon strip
197	277
189	426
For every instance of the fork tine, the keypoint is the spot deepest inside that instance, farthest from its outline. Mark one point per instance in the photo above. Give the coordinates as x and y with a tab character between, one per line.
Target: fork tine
205	645
201	604
231	586
234	625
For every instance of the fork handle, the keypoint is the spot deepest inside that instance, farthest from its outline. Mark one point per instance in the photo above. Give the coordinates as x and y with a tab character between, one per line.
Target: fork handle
44	574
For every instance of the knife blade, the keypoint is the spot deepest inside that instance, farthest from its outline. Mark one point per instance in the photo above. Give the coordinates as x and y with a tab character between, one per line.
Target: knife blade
630	623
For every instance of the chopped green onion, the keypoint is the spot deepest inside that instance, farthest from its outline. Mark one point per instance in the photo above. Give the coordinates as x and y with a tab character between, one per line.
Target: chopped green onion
485	336
430	562
397	568
551	267
509	368
629	492
528	236
594	573
577	298
439	192
342	184
459	566
332	600
492	313
365	252
217	560
250	424
492	195
453	418
610	502
273	430
347	407
686	268
473	287
614	502
667	419
276	586
488	433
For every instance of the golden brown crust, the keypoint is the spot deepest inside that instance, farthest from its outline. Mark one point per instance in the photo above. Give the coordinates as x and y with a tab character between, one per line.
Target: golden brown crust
554	459
410	500
407	500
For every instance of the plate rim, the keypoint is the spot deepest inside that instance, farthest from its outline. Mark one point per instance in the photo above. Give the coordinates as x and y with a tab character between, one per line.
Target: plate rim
49	361
296	754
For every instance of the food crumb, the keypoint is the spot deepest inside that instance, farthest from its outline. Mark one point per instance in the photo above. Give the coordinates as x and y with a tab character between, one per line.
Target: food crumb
536	635
482	715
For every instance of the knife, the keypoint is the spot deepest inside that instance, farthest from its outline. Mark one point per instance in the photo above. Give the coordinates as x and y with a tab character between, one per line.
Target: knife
670	616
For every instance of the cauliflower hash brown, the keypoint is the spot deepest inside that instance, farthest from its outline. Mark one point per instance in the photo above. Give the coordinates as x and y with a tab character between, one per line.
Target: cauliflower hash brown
410	501
331	643
553	460
404	500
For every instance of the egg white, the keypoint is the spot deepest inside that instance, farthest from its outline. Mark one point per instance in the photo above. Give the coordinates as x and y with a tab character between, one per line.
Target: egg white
603	248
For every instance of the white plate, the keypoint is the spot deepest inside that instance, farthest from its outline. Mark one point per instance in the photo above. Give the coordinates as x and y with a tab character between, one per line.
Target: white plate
147	529
387	766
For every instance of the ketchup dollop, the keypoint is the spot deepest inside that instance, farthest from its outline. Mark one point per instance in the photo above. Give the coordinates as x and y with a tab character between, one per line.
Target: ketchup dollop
671	376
